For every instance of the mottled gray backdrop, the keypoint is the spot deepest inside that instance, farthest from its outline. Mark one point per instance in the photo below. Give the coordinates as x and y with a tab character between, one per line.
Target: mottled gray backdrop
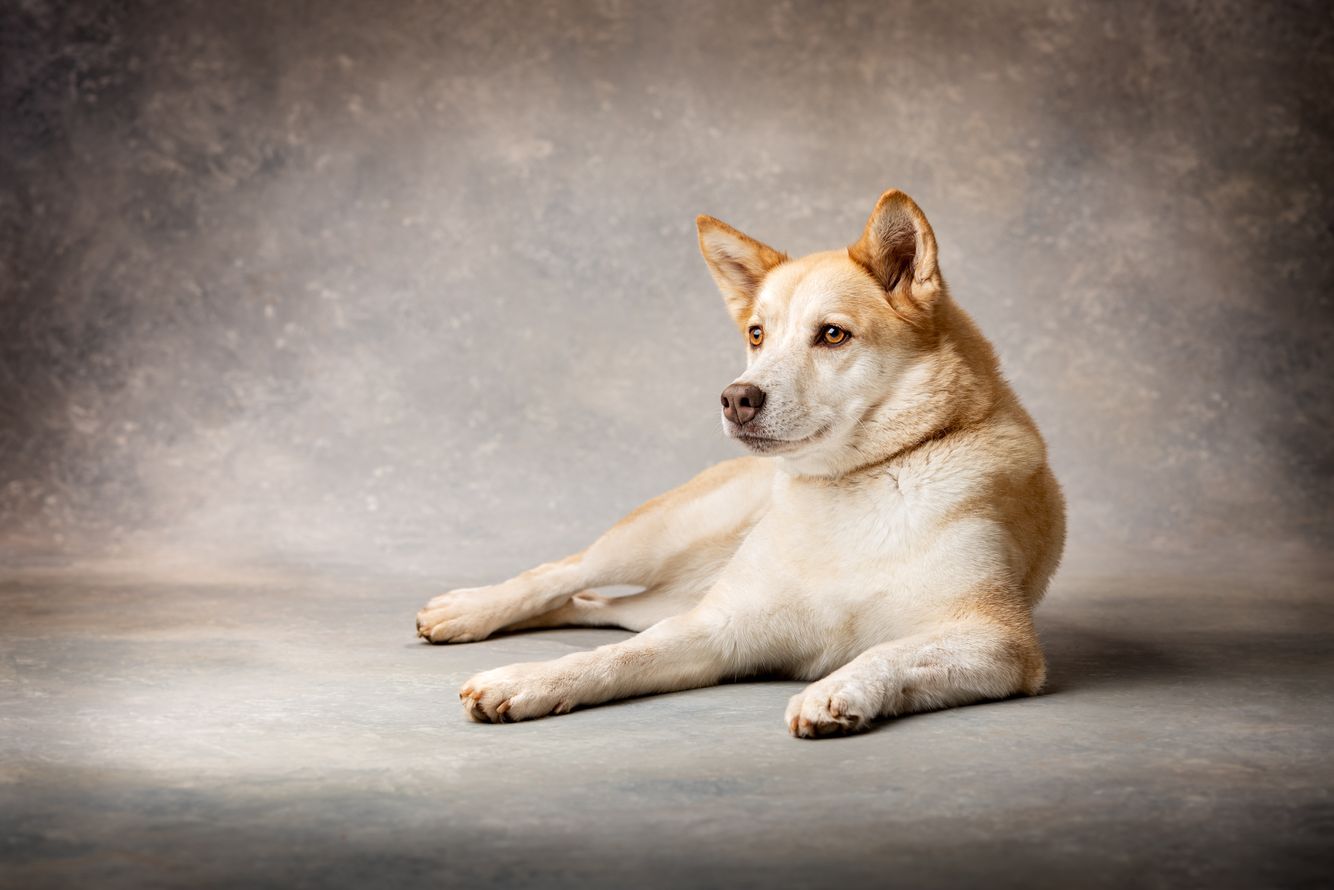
413	287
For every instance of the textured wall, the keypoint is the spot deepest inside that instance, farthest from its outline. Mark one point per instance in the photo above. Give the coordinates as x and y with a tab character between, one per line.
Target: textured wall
414	285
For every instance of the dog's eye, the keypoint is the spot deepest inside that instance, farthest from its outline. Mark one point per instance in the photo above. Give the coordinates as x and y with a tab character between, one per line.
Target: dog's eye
756	335
833	335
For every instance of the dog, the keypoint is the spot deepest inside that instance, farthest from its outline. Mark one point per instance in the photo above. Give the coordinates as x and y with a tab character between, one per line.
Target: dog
887	539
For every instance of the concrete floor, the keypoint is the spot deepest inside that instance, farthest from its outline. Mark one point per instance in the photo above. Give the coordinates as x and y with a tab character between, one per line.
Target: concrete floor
293	732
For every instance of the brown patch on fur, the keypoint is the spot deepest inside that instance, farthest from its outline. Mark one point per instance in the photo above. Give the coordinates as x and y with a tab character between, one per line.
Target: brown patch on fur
1021	505
1007	609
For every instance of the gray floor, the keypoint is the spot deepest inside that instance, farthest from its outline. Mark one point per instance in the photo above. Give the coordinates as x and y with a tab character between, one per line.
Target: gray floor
290	731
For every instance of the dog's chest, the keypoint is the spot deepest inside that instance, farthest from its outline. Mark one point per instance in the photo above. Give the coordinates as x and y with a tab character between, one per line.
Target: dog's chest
850	543
834	569
874	519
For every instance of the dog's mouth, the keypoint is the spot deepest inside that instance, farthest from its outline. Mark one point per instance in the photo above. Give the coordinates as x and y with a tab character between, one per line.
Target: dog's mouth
773	444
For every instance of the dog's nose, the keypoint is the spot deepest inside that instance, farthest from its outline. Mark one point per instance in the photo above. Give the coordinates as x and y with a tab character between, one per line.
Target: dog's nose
742	401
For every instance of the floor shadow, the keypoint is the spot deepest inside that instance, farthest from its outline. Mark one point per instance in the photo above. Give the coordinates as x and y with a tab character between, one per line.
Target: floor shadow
1079	657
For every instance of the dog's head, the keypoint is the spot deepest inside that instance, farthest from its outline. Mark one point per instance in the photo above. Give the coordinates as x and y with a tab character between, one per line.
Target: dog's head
837	341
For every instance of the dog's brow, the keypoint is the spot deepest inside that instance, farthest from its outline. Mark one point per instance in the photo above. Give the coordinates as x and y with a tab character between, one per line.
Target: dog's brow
841	319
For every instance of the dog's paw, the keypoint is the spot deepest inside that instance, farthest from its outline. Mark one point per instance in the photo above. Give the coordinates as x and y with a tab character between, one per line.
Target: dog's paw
829	707
465	615
515	692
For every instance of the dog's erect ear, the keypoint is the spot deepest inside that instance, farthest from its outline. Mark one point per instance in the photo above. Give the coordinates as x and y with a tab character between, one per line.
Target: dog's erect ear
898	248
737	262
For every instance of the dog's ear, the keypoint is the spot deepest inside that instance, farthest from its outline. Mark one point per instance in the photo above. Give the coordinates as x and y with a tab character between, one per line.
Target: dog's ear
898	248
737	262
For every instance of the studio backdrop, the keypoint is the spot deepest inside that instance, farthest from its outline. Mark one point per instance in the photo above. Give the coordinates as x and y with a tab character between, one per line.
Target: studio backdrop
414	287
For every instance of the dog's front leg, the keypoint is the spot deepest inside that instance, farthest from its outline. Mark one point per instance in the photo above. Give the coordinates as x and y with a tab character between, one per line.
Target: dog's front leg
958	664
683	652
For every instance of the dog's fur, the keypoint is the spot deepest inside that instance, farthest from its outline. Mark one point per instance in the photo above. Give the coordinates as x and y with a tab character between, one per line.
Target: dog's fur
890	546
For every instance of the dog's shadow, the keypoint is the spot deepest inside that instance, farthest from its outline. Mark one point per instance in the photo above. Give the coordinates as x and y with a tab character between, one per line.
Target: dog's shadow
1081	658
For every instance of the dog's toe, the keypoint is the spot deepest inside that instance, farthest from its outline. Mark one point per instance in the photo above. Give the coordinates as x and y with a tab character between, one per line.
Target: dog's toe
511	694
469	614
826	709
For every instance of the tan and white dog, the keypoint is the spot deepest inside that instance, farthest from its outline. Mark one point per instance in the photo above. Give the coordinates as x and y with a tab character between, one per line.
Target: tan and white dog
890	544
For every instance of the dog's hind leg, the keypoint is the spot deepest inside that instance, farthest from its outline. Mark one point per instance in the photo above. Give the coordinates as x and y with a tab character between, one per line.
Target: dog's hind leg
636	611
682	534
